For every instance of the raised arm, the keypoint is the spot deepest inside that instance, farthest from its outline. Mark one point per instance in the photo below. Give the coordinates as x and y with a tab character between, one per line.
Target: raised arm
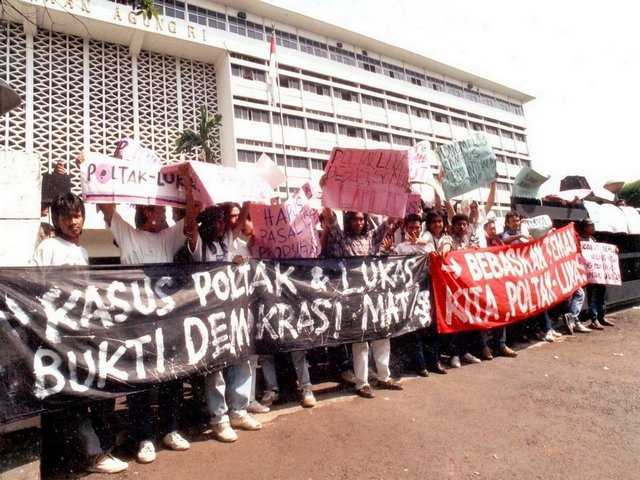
491	198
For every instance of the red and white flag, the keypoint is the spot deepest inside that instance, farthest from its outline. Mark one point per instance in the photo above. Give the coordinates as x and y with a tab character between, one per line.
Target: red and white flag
272	75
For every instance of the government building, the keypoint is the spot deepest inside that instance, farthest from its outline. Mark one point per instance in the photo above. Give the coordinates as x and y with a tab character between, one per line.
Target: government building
92	72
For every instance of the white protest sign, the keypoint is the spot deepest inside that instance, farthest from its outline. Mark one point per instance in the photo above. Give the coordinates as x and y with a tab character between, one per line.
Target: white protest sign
528	182
468	164
539	226
269	171
615	217
601	263
132	151
216	184
112	180
633	219
571	195
421	158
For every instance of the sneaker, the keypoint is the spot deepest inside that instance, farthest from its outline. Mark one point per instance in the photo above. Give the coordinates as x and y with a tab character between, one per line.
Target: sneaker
487	354
455	362
257	407
245	422
423	372
596	325
555	333
581	328
549	337
607	323
567	320
365	392
108	464
175	441
468	358
505	351
223	432
390	384
146	452
270	397
308	400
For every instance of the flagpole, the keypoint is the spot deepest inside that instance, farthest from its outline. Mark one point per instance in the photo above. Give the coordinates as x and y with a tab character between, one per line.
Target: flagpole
277	79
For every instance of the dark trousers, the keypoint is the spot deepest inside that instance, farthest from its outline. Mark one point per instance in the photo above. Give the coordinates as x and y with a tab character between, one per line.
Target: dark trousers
140	414
595	296
422	339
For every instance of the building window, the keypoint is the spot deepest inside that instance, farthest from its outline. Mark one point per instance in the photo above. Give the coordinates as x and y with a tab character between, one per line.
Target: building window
351	131
289	121
377	136
436	84
247	156
316	88
454	89
345	95
313	48
400	140
458	122
318	164
491	130
285	39
393	71
341	55
324	127
248	73
373	101
369	64
288	82
438	117
293	161
520	137
418	112
476	126
251	114
397	107
170	8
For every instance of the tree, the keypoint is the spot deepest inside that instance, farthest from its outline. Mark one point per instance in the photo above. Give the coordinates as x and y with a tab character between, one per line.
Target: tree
205	138
145	8
630	193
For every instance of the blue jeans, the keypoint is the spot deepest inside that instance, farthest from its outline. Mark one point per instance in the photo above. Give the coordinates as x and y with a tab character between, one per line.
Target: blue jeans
596	294
169	402
576	302
238	393
300	364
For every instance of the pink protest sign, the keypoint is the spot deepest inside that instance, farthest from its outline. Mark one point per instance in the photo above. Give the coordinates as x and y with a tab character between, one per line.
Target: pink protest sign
414	205
369	181
287	230
601	262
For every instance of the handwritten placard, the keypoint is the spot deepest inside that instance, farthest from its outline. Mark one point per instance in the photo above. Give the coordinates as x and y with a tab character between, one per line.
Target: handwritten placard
132	151
468	164
528	182
601	262
368	181
421	159
538	226
287	230
113	180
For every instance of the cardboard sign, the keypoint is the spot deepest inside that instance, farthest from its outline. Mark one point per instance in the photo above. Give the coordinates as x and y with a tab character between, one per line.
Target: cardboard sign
468	164
287	230
606	217
414	205
368	181
493	287
528	182
132	151
112	180
538	227
601	263
633	219
421	158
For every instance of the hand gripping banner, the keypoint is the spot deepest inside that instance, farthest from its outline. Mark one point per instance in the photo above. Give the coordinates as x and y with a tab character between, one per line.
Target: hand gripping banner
491	287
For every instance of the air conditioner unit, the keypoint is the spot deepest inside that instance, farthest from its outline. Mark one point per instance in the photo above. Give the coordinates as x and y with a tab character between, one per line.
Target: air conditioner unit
364	52
339	44
242	15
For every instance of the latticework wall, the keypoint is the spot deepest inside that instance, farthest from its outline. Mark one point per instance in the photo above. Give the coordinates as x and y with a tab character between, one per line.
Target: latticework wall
85	94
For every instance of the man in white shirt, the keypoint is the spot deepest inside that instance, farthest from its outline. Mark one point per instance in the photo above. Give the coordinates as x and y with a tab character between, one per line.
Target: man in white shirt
152	241
412	243
89	421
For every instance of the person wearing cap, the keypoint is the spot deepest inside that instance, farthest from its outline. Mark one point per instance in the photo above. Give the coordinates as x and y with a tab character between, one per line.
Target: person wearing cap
595	292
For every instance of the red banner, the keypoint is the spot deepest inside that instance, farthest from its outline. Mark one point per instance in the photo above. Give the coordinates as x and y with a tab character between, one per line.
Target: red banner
491	287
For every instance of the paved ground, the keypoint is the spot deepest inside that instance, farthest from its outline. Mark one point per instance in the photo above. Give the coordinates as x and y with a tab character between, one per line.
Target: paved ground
569	410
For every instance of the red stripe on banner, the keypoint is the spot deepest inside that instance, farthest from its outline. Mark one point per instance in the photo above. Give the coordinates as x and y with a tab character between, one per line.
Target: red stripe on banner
491	287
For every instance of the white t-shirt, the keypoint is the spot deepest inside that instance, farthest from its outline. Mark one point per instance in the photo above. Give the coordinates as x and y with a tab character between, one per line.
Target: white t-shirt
476	229
138	246
58	251
434	245
232	248
408	248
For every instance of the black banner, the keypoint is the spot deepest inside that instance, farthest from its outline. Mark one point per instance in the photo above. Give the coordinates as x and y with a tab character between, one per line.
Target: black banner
96	332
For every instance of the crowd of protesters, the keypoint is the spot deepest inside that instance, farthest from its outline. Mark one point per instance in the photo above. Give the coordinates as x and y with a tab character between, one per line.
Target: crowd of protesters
223	233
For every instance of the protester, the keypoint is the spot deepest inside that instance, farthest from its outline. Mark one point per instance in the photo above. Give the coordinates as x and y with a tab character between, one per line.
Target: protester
596	293
461	342
151	241
478	217
89	423
572	318
358	239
